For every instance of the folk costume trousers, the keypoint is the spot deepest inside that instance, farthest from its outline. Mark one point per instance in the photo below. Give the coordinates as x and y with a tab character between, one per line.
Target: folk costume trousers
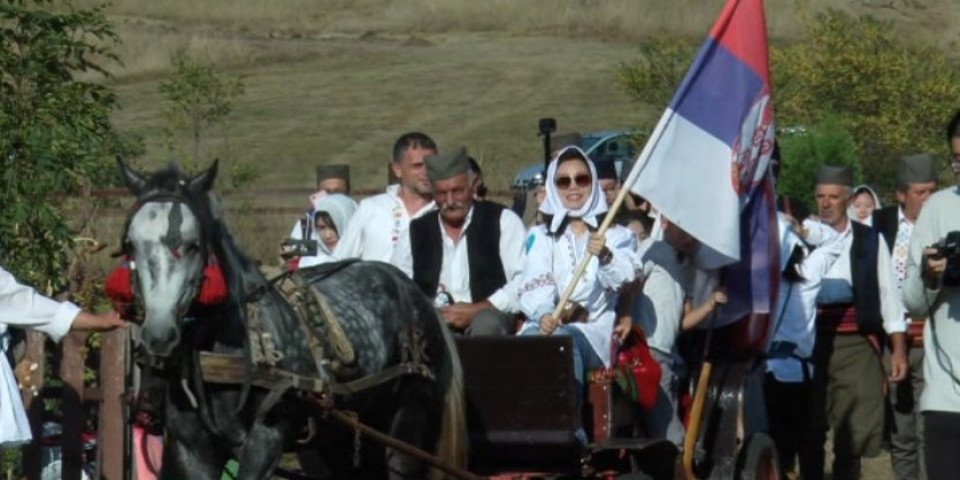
906	433
847	398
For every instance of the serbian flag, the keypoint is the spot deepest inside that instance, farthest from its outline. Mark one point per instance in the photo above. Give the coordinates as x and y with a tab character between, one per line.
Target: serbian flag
705	166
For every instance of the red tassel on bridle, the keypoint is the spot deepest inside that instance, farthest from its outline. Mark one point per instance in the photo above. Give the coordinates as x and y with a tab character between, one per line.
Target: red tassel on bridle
213	291
119	285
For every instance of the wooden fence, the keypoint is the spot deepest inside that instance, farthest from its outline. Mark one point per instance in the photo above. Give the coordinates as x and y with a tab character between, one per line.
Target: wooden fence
76	396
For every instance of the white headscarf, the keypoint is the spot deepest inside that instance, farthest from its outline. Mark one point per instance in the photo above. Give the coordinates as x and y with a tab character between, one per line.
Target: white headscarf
852	211
595	205
340	208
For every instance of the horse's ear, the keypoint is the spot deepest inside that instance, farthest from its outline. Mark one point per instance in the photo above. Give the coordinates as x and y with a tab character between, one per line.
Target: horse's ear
204	182
135	182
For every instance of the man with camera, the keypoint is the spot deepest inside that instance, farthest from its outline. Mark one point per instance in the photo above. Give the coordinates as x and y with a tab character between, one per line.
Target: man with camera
932	290
917	179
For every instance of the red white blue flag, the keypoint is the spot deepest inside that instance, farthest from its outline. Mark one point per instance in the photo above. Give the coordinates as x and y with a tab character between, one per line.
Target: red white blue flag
706	164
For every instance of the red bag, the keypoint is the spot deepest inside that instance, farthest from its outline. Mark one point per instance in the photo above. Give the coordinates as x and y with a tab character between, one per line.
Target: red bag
635	369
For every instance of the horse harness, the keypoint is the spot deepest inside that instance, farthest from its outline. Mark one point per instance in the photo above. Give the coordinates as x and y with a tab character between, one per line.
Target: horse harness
334	357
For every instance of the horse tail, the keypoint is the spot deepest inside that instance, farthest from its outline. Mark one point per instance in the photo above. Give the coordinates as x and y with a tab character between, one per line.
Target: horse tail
452	444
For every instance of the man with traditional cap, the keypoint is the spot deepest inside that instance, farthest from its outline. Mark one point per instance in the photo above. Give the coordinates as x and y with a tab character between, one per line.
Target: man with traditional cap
334	178
380	220
857	303
609	181
917	179
466	254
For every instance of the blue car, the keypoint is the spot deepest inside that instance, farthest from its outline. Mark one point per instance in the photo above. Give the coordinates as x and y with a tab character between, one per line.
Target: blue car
613	145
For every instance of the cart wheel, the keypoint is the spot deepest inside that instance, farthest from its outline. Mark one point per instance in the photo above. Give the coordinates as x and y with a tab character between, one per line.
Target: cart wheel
759	459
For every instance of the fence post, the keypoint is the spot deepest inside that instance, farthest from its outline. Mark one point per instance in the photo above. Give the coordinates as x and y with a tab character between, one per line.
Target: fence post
36	349
74	415
112	446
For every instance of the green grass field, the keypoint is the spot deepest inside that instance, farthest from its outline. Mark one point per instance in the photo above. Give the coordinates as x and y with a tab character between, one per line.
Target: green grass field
337	81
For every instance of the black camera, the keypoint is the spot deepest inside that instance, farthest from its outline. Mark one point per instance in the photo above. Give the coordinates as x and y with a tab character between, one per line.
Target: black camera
291	248
949	248
547	125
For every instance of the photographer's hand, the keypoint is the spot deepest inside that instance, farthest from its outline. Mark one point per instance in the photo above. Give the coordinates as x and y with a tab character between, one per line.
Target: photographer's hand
933	268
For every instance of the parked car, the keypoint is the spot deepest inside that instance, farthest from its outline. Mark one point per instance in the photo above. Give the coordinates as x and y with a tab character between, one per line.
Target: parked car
616	145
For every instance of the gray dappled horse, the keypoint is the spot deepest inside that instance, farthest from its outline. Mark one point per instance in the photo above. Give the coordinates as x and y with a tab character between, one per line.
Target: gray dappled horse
175	231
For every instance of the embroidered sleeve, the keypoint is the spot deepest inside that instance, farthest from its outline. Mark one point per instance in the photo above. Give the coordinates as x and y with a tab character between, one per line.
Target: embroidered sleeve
538	286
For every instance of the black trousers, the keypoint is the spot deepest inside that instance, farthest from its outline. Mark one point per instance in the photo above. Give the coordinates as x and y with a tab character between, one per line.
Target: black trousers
942	444
788	413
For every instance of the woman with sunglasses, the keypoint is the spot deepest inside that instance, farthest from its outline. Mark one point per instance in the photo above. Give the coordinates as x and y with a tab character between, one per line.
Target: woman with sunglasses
573	210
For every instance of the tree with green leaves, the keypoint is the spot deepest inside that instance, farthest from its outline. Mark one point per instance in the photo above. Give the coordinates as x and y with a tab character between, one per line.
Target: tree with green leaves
893	97
804	150
55	131
200	99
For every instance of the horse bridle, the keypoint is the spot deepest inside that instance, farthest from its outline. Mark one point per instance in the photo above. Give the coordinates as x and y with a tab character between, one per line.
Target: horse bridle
188	296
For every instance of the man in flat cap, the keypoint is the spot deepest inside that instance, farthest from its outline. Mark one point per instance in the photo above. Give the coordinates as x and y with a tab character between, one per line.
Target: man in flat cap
334	178
917	179
380	220
858	301
466	254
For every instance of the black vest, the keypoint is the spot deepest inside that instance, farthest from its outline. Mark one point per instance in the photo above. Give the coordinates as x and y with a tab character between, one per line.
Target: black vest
887	221
863	272
483	251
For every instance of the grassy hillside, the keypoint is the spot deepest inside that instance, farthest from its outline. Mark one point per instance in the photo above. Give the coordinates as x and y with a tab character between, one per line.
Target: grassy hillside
338	80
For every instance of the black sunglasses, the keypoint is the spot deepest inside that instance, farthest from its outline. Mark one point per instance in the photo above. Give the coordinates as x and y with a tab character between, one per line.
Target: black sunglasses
582	180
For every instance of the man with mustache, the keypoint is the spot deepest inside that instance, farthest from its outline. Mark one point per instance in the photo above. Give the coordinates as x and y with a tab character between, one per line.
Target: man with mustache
467	253
858	301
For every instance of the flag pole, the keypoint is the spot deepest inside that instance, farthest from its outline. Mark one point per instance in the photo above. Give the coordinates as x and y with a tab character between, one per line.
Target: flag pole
617	203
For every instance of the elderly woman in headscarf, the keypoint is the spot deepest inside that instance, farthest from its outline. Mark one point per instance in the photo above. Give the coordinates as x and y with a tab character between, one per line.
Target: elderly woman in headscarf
329	215
573	209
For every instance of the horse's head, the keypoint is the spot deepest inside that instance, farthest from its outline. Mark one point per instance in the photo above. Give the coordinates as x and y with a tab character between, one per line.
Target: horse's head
168	239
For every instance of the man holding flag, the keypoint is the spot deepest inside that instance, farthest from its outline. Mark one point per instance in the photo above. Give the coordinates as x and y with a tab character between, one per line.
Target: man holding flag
720	124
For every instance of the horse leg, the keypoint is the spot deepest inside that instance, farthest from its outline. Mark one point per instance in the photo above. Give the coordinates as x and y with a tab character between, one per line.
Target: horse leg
264	445
191	451
417	422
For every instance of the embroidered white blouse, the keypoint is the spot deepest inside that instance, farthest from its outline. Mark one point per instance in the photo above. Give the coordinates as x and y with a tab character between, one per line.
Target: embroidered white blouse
549	266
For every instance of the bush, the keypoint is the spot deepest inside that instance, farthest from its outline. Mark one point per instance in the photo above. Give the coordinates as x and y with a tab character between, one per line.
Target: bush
57	135
895	98
804	150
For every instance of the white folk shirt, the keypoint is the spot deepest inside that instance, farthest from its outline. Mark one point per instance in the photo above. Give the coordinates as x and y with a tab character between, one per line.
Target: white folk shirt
549	266
375	228
796	312
941	364
659	307
837	286
455	269
901	247
22	306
